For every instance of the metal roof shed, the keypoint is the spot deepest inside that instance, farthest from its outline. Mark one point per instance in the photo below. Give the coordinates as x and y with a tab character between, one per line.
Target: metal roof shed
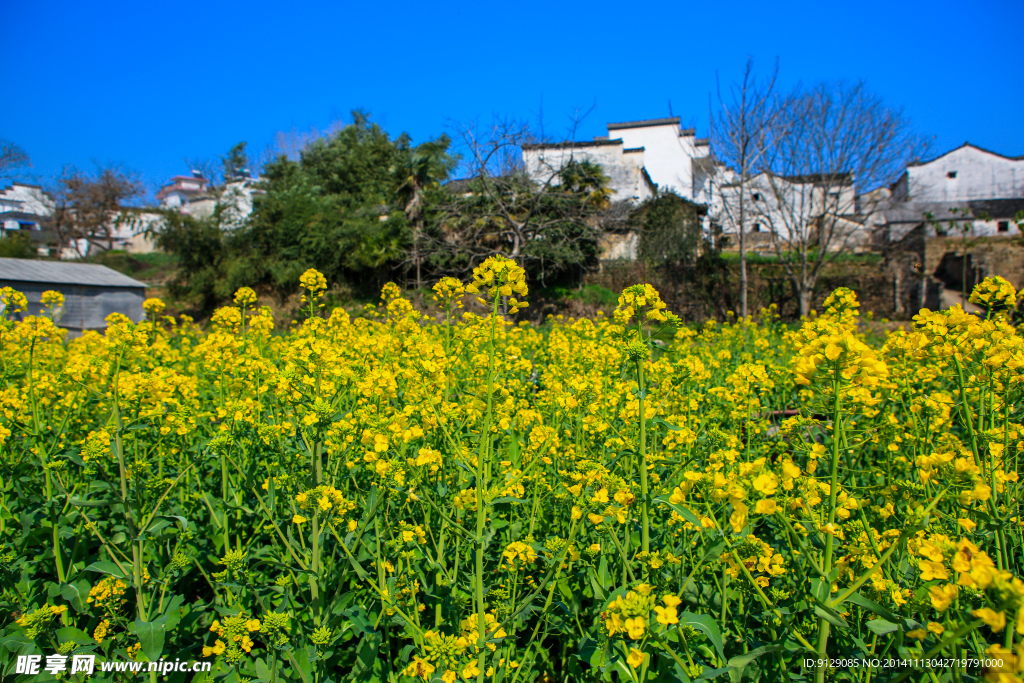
91	291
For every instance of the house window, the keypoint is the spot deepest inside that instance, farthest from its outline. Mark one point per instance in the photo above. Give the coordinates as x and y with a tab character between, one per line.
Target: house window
951	174
757	227
757	196
1003	226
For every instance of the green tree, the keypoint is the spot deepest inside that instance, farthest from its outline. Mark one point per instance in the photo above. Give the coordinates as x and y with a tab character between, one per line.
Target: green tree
236	163
200	246
17	245
429	164
670	229
550	229
344	207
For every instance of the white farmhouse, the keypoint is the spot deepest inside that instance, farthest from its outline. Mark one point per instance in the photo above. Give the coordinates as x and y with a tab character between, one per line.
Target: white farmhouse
964	174
195	196
639	157
792	210
949	222
24	209
966	188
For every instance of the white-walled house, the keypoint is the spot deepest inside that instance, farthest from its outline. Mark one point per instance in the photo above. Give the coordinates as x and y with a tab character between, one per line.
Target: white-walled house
670	154
627	178
791	209
639	157
29	208
195	196
966	173
951	216
967	188
24	209
188	195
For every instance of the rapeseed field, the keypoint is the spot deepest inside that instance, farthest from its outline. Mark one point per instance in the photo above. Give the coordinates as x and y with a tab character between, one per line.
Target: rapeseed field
389	497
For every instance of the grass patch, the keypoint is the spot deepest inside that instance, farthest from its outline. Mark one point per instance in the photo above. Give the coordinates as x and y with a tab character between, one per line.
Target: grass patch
154	266
592	295
752	257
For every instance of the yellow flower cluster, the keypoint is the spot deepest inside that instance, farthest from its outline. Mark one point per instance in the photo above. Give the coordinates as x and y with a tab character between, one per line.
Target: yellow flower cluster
326	501
499	277
995	293
107	593
640	299
235	631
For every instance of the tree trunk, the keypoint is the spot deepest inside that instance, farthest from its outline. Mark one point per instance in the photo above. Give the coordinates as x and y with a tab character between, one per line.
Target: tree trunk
743	259
804	295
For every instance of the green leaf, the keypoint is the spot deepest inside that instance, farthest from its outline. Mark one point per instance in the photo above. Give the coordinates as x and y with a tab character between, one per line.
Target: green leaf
151	637
739	662
173	612
76	594
82	503
882	626
831	616
872	606
262	670
683	511
360	623
586	649
105	567
705	625
667	425
74	635
595	583
155	527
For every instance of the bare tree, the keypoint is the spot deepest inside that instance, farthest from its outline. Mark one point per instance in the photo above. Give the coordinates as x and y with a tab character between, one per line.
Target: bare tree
828	143
741	135
12	158
89	209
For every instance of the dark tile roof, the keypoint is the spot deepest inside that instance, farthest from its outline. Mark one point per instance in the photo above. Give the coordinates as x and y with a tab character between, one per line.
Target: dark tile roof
843	178
627	150
573	145
966	144
20	216
975	209
996	208
673	121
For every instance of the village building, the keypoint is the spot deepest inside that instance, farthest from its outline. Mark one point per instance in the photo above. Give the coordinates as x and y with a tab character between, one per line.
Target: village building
948	223
29	210
91	291
793	209
195	196
639	158
24	210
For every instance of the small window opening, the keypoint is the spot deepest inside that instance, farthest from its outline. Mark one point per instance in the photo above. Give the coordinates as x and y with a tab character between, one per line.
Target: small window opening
951	174
757	196
757	227
1003	226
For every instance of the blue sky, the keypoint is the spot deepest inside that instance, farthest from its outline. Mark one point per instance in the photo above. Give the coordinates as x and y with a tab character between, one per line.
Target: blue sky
146	85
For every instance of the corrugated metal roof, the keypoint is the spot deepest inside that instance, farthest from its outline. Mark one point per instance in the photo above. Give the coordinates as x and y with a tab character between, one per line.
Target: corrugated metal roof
62	272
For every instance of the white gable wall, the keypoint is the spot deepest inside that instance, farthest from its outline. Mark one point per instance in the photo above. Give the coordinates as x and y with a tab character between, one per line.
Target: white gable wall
979	175
624	170
667	155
